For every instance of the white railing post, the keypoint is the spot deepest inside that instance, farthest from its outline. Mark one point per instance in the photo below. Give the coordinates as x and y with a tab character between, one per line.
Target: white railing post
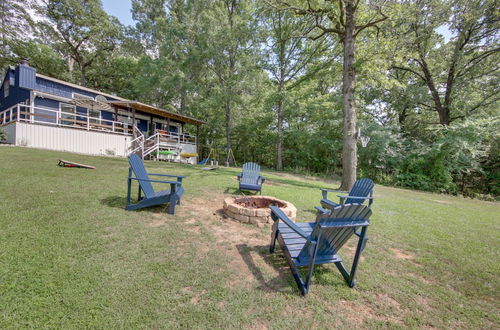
10	115
88	123
18	115
113	125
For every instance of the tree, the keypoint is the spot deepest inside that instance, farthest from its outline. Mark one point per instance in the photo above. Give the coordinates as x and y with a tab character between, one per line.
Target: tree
171	33
340	18
82	32
286	56
231	55
452	71
15	29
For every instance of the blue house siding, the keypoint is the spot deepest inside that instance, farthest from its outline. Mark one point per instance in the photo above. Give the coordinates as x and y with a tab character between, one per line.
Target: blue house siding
16	94
49	93
60	89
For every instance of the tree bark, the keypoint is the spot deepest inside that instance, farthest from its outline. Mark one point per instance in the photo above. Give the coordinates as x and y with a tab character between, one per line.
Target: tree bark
279	144
349	147
281	99
229	127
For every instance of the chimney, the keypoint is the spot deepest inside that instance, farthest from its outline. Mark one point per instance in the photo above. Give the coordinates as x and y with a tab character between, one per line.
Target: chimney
25	75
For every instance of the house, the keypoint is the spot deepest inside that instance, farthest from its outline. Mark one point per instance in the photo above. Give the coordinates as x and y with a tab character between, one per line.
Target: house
43	112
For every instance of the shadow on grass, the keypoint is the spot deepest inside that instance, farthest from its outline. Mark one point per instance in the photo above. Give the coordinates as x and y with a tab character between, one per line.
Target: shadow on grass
324	274
120	202
277	284
236	191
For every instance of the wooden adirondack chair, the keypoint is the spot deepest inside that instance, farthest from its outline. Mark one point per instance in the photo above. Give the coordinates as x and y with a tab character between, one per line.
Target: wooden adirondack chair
361	191
171	196
313	243
250	178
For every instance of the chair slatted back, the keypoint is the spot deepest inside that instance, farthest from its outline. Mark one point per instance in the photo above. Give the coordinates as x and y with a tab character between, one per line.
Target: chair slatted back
251	173
333	238
361	188
139	170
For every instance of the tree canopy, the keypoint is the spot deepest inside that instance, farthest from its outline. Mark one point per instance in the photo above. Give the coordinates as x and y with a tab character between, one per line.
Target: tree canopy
289	84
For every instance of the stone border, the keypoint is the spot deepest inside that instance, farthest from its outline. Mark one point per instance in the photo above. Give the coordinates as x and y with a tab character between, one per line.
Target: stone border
260	216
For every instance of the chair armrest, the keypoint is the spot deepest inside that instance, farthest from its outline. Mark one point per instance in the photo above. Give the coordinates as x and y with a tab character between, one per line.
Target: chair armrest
354	197
344	224
277	214
160	181
239	176
262	179
325	191
326	203
344	197
321	210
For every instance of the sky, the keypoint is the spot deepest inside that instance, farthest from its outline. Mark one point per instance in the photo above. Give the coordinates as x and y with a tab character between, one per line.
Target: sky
120	9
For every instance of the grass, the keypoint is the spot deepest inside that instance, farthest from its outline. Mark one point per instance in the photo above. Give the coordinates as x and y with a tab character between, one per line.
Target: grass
71	257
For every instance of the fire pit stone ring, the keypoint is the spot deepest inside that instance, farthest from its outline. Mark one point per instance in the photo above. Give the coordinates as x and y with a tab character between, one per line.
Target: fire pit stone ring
255	209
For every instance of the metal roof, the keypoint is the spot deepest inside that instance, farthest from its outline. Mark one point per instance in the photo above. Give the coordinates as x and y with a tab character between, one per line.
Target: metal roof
155	110
125	104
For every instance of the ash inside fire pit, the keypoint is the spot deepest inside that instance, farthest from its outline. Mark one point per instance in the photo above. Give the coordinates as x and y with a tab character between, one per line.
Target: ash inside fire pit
255	209
258	202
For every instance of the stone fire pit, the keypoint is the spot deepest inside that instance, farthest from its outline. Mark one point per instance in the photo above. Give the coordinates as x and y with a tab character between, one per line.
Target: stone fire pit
255	209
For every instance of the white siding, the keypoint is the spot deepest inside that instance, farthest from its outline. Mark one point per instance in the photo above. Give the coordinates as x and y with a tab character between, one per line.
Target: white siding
71	140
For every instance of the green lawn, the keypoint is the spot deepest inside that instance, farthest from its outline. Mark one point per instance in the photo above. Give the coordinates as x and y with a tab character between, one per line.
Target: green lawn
71	257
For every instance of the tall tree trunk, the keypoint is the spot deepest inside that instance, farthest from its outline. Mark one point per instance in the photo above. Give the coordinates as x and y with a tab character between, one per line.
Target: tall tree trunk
349	147
229	127
279	144
182	108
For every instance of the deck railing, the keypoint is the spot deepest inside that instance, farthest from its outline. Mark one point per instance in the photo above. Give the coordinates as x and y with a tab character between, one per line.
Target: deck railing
47	116
173	137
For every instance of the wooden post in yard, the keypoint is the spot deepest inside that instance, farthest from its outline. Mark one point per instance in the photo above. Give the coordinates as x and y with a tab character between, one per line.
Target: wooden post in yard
133	120
198	140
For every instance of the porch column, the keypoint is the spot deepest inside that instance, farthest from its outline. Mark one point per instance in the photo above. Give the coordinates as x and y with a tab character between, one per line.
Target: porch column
197	140
133	120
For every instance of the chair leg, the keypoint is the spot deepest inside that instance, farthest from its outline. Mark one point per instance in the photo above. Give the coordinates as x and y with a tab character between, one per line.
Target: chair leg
139	197
361	244
171	205
349	277
171	208
274	237
129	188
295	272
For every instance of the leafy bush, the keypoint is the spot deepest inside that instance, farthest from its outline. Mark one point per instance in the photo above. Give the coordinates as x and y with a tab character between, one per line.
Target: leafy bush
460	158
3	136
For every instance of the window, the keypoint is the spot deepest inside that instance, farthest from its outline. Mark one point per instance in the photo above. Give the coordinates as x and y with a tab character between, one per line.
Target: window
67	112
6	88
173	129
95	115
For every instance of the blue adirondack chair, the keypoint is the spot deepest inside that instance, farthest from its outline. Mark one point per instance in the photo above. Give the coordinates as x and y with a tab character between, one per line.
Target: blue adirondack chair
171	196
250	178
308	244
361	191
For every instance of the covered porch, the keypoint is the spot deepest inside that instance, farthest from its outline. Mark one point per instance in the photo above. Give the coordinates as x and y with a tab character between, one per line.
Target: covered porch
147	128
